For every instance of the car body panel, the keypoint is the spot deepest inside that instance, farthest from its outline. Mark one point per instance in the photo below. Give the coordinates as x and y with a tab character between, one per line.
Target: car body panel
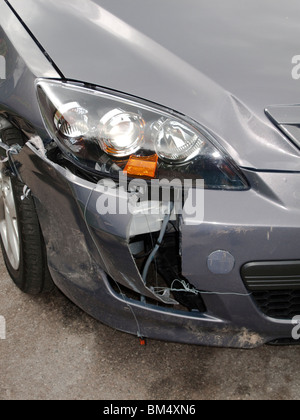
130	49
24	62
259	224
25	46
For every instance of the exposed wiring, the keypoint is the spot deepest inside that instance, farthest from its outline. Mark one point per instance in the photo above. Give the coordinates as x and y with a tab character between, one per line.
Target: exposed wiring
26	192
14	150
226	294
187	288
143	298
152	256
9	150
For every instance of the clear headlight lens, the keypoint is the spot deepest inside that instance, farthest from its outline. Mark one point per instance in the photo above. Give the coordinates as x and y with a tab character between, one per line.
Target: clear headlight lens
71	120
107	133
174	142
121	133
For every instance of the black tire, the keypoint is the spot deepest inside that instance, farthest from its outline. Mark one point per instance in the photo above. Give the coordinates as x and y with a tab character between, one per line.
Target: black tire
33	276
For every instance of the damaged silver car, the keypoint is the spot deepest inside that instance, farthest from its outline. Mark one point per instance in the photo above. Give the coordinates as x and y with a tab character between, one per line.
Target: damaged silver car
150	163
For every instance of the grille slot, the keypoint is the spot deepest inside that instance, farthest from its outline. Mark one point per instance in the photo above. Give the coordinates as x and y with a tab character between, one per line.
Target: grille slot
281	304
275	287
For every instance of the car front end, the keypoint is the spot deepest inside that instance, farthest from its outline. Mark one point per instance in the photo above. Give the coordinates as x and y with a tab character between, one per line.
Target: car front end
167	198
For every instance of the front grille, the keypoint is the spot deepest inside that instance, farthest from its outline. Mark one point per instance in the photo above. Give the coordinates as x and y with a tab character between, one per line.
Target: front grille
279	304
275	287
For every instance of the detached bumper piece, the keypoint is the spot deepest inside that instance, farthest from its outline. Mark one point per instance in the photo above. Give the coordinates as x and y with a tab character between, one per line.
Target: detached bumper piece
275	287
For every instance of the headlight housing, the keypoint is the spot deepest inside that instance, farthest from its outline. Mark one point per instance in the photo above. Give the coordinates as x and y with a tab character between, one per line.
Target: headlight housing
108	133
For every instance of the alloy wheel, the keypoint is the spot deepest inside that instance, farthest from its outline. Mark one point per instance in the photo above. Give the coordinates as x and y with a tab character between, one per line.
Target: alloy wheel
9	230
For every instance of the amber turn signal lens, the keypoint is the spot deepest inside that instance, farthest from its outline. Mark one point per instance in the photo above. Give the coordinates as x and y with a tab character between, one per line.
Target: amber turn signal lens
142	166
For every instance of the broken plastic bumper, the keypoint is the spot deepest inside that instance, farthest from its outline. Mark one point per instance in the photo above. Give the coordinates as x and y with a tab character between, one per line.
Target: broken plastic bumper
87	251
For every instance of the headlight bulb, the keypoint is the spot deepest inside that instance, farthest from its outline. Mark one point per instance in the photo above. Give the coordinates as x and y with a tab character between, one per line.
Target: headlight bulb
175	142
71	120
121	133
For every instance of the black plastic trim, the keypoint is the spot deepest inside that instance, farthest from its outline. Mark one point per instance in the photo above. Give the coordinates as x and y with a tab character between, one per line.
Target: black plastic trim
275	275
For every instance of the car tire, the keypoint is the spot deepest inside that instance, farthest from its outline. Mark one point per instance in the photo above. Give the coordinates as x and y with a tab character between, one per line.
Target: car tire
21	238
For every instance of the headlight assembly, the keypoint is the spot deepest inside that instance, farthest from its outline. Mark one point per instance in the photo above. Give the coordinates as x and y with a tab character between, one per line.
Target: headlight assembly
107	133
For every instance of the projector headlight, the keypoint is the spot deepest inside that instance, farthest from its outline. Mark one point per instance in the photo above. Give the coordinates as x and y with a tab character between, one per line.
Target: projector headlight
121	133
107	133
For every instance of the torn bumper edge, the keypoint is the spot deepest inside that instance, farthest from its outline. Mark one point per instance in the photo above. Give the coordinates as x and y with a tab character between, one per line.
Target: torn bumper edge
84	248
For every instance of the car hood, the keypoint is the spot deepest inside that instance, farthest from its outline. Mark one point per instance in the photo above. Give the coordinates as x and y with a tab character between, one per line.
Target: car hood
221	63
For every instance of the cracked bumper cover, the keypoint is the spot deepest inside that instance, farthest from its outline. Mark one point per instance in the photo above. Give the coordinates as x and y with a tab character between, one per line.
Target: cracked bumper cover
84	249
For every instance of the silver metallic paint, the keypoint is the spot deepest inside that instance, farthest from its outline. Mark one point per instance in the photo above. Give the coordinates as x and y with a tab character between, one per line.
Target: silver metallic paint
267	214
205	59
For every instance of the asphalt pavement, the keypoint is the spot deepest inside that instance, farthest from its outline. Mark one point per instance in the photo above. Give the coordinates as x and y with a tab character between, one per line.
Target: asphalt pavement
55	351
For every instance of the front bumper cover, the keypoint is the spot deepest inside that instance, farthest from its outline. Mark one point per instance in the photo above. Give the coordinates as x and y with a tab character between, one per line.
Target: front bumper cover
85	250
